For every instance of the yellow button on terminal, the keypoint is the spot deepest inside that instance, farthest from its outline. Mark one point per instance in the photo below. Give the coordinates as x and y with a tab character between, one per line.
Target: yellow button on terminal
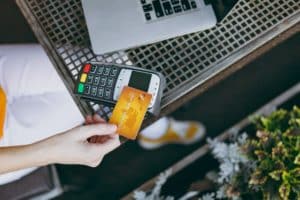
83	78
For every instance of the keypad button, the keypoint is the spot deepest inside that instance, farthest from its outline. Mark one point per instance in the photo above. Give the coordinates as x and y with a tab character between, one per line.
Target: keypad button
80	88
167	7
100	92
147	7
177	9
107	94
110	82
87	68
147	16
193	4
90	79
100	70
93	69
158	8
185	5
83	78
94	90
175	1
114	71
103	81
106	71
87	89
96	80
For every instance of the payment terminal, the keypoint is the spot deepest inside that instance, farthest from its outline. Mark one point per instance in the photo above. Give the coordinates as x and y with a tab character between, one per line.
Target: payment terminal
103	83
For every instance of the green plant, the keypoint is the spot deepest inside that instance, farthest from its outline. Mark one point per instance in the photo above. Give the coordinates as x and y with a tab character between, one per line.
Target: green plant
276	151
265	167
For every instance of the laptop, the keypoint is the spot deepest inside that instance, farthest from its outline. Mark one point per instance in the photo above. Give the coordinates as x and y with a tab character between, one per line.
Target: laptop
121	24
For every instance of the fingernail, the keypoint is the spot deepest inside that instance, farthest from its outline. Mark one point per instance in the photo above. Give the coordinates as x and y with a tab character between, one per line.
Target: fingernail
113	127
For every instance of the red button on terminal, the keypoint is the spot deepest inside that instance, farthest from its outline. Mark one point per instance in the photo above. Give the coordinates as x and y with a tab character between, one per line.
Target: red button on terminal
87	68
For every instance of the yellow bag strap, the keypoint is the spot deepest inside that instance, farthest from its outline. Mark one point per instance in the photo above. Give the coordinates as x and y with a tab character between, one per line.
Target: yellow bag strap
2	111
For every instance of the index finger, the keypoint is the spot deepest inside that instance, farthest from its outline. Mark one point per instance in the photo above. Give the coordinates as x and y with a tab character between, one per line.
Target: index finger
97	129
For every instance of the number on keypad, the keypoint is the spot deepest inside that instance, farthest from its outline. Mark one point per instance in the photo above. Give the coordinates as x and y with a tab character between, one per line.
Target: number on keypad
87	89
96	80
100	92
90	79
93	68
103	81
106	71
100	70
110	82
114	72
94	91
107	93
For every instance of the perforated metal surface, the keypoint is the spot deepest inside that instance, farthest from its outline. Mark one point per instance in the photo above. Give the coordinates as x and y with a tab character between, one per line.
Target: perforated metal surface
185	61
184	58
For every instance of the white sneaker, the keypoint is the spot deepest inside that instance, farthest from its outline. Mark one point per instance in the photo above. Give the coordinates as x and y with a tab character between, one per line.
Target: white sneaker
178	132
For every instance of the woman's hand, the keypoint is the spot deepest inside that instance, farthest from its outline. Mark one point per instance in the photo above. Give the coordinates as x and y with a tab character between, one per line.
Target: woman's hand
85	145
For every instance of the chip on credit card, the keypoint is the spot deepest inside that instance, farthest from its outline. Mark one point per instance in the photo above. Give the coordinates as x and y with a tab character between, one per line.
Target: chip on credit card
130	111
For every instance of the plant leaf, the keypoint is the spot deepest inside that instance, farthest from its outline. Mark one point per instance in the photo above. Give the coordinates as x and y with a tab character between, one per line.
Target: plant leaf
262	135
266	195
257	178
276	175
260	154
285	176
297	159
295	132
284	190
295	176
279	151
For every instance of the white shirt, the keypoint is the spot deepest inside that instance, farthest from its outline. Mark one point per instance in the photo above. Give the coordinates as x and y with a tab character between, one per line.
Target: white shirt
38	104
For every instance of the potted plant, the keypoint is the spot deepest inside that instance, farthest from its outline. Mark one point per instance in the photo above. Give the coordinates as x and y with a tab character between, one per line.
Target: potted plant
264	165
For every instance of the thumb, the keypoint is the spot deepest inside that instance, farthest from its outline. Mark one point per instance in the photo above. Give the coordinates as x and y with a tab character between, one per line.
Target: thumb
97	129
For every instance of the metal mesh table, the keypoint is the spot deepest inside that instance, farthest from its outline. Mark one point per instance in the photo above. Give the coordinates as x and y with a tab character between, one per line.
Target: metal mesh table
188	62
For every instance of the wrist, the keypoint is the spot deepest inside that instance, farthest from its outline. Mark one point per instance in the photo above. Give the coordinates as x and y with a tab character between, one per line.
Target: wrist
39	153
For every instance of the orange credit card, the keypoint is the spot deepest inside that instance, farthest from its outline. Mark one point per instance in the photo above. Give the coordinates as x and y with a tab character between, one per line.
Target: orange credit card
130	111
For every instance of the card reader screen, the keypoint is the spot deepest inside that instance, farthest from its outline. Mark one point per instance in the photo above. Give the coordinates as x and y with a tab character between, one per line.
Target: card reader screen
140	80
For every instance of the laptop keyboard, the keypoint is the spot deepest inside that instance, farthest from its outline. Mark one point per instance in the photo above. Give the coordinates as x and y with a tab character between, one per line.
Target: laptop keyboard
157	9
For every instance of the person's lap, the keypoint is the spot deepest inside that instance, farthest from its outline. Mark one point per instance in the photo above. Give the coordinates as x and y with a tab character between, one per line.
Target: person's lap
26	70
38	104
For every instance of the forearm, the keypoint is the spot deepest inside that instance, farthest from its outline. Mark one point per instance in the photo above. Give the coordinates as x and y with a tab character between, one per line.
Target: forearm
70	147
20	157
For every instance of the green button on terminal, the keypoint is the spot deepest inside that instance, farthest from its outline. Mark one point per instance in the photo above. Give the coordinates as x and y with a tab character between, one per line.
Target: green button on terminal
80	87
